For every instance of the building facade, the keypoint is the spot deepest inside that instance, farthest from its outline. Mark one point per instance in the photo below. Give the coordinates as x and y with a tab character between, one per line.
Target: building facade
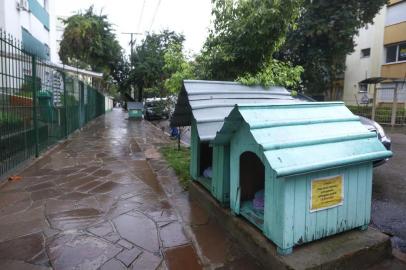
380	52
33	23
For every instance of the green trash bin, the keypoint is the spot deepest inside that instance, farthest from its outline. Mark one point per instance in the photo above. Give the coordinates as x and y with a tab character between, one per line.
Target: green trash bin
135	110
299	172
45	106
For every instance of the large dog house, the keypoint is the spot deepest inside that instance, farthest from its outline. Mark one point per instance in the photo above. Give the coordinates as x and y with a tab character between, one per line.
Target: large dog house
300	172
203	105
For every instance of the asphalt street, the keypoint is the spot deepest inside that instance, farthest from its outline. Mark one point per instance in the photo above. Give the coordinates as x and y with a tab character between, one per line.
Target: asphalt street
389	190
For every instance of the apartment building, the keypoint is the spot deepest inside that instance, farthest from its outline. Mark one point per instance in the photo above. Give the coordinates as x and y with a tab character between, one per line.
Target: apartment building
33	23
380	52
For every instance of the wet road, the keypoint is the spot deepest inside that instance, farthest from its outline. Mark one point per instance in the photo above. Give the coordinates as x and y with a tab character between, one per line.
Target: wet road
389	192
105	199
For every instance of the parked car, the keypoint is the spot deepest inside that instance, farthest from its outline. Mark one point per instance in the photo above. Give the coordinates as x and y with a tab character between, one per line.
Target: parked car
156	109
368	123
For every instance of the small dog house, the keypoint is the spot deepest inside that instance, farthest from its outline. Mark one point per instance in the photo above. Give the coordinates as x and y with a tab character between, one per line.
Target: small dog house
300	172
135	110
203	105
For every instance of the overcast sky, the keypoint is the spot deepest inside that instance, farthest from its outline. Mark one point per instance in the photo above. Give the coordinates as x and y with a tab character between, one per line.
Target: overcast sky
190	17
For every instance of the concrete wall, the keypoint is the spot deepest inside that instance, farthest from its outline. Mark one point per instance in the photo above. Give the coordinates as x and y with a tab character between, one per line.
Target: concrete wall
2	18
108	104
358	67
53	44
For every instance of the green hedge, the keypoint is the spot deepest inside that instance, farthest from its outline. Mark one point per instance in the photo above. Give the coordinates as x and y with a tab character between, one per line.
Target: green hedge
10	119
383	113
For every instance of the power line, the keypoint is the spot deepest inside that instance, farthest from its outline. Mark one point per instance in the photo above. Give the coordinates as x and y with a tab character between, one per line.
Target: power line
142	13
153	18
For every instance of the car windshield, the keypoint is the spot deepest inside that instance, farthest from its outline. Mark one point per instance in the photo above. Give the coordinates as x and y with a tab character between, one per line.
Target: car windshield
155	104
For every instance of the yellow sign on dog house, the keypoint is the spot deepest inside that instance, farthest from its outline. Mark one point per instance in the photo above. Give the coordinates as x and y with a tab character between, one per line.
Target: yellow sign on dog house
326	193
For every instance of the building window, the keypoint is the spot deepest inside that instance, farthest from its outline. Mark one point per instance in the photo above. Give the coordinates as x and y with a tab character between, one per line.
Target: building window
365	52
363	87
47	51
396	53
402	52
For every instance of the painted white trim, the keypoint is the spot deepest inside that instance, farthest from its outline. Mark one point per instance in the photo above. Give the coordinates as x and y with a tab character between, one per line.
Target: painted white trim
394	63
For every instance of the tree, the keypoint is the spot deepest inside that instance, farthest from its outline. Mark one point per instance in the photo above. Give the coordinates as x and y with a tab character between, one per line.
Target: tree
148	61
324	37
274	72
121	75
177	67
89	42
245	36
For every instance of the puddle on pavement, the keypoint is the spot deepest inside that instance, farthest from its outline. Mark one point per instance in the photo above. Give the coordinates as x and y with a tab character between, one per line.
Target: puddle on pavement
74	219
183	257
81	252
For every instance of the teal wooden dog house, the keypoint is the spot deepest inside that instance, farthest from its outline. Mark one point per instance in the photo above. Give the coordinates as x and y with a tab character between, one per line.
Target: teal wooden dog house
309	163
203	105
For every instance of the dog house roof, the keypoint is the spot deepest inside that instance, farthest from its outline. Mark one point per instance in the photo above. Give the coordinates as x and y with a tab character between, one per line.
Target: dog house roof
209	102
304	137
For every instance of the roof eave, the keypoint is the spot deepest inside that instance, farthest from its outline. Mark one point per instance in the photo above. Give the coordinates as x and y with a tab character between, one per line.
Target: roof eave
304	169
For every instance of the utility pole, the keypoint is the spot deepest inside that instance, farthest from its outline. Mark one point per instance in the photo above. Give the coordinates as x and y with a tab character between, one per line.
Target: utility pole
132	42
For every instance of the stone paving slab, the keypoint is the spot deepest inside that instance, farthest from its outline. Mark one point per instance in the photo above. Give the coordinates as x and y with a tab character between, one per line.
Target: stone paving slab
105	199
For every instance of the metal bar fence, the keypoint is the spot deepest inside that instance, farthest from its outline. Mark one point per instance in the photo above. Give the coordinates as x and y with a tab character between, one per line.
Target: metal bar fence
390	106
39	104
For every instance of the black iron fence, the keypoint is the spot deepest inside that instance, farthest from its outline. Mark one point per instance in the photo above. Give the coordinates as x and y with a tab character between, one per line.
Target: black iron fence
40	103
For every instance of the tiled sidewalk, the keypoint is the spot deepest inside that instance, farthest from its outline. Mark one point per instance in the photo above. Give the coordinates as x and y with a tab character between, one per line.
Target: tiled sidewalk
105	199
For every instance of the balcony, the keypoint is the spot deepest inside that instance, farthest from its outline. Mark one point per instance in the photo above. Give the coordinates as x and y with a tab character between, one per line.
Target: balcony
39	12
394	70
34	46
395	33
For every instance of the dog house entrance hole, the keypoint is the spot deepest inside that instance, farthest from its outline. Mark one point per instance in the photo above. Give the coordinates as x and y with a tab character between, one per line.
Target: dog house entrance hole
252	183
206	164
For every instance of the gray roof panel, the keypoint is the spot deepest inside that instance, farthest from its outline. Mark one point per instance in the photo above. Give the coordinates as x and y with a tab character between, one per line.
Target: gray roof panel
209	102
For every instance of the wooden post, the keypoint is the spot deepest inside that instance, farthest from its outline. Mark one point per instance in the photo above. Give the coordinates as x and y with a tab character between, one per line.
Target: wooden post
179	134
374	104
394	106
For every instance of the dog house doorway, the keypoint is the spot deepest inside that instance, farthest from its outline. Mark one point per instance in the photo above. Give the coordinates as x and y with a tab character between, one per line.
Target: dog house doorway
206	164
252	183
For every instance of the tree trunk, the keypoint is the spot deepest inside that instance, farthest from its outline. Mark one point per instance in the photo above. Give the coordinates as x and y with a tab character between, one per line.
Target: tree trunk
330	91
140	91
